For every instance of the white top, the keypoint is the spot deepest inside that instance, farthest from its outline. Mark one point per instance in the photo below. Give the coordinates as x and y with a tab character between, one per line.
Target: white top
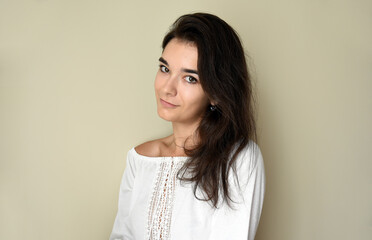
154	204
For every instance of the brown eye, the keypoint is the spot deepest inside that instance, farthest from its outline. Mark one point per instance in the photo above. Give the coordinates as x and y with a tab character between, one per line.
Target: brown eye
191	79
164	69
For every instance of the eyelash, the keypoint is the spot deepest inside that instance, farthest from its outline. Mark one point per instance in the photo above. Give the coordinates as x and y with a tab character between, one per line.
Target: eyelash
164	69
192	81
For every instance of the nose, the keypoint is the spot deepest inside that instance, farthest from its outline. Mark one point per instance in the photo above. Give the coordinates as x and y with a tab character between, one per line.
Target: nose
170	85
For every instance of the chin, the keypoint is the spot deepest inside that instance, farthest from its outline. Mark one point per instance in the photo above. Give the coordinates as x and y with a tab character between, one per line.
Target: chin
165	116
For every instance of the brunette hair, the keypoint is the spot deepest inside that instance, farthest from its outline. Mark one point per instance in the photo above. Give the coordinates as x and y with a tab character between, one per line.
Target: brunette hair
227	129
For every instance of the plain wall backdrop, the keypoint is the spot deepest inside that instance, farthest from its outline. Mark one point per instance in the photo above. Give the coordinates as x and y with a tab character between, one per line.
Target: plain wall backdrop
76	93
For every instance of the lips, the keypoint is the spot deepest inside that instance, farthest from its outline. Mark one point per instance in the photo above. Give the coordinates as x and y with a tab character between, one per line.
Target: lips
167	104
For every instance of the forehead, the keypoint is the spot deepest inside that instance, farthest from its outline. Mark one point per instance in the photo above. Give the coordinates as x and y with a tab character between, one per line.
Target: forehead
180	52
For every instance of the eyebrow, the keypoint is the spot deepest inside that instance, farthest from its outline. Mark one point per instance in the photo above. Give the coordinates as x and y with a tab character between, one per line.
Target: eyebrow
161	59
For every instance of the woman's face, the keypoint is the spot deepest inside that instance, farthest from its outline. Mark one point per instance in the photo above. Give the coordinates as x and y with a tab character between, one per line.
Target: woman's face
179	94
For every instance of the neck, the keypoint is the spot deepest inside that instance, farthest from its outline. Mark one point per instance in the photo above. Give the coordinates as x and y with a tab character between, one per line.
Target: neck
183	132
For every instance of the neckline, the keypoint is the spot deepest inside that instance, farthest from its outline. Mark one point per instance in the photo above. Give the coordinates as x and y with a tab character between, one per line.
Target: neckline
159	157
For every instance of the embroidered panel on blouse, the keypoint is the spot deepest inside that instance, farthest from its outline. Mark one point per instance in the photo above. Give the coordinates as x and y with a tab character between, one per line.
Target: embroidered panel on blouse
161	204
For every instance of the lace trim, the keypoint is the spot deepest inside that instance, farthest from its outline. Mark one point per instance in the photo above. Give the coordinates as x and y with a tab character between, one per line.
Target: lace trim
161	204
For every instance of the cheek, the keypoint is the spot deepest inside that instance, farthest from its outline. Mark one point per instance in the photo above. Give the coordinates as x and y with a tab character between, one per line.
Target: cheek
196	97
157	83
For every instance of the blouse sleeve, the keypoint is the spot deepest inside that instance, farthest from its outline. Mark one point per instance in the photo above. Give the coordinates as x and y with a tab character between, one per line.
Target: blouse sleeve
241	222
125	193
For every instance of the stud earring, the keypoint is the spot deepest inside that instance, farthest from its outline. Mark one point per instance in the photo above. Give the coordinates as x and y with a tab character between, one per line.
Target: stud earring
213	108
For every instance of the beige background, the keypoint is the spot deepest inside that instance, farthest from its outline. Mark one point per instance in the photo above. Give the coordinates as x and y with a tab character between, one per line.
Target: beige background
76	93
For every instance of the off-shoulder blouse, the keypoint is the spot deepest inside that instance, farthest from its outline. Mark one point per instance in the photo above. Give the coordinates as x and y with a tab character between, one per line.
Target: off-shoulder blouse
154	204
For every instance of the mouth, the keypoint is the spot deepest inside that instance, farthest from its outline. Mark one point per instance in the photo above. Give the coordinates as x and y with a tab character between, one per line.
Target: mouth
167	104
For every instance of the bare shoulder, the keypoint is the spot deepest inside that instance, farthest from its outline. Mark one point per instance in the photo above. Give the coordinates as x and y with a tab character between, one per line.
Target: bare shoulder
152	148
149	148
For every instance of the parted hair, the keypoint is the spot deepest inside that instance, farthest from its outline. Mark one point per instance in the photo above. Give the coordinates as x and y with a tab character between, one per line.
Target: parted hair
225	79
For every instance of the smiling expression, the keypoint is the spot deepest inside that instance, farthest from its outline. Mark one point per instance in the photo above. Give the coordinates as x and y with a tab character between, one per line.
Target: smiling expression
179	94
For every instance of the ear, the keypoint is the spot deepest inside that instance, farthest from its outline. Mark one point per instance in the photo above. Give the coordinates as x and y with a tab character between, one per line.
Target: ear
213	103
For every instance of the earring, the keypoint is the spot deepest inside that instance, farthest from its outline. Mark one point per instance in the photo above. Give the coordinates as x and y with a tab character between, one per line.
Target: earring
213	108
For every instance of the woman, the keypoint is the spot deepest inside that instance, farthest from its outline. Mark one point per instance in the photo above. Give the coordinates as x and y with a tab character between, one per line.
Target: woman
206	180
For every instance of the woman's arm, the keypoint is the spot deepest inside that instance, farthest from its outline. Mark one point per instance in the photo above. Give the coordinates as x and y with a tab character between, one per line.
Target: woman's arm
254	193
124	203
241	222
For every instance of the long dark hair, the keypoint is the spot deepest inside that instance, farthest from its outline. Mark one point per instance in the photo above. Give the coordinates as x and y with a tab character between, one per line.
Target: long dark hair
225	79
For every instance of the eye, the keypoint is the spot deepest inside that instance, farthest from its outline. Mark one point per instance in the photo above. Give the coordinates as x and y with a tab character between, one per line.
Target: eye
190	79
163	68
